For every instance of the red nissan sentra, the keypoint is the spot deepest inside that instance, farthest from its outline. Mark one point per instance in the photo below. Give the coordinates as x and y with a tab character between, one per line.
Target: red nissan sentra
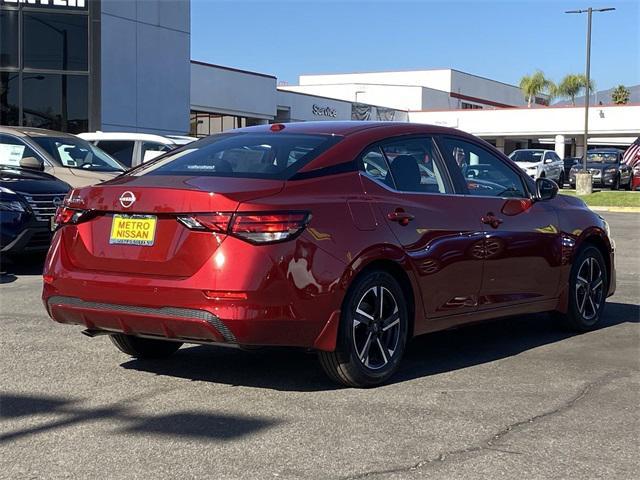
348	238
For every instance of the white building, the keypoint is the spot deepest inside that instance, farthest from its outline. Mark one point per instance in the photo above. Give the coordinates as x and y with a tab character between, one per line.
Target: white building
415	90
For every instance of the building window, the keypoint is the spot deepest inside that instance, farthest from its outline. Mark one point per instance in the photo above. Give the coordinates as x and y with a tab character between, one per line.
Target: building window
44	66
203	124
8	38
9	95
471	106
56	102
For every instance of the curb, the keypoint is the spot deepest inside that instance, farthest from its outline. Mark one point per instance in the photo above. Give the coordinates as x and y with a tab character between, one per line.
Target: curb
615	209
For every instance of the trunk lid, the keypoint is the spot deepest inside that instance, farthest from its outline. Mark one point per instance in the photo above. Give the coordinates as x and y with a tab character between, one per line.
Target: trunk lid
175	251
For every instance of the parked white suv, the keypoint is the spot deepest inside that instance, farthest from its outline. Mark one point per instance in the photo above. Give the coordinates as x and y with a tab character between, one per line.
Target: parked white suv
538	163
132	149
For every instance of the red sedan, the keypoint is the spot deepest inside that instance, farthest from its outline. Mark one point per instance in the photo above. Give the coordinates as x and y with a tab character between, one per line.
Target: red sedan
348	238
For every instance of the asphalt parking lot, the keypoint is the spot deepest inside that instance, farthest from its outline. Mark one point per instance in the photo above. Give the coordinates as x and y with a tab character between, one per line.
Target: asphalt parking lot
516	398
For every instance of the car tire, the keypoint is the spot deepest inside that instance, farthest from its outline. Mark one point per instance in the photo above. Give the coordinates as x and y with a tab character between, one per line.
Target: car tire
628	187
371	337
561	181
588	284
144	347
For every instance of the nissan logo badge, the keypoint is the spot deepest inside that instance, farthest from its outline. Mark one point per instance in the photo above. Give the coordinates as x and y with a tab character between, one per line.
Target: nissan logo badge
127	199
57	201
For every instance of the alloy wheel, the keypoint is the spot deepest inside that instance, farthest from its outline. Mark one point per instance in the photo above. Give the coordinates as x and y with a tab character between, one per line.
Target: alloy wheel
589	288
376	327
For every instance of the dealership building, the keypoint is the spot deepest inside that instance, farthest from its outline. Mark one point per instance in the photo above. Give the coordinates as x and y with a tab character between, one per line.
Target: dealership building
117	65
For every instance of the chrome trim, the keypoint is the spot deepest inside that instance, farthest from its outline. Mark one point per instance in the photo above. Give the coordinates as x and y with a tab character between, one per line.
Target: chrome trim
167	312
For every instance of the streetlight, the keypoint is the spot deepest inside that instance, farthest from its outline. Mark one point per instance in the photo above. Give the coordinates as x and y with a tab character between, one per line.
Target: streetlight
357	92
587	186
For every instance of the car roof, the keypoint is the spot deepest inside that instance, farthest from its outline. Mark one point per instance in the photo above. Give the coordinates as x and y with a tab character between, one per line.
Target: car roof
604	150
351	127
127	136
33	132
533	150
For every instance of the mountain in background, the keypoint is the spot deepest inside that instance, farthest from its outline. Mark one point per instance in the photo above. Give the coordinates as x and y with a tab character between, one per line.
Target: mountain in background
604	96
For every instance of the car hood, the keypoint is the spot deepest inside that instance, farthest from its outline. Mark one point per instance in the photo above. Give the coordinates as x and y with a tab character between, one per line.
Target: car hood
31	181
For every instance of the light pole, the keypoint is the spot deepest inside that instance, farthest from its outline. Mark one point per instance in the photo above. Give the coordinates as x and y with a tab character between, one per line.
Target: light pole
357	92
585	187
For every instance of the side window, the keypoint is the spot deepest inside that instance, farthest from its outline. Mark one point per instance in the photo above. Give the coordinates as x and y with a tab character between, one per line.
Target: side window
375	166
484	173
407	165
12	150
151	150
121	150
414	165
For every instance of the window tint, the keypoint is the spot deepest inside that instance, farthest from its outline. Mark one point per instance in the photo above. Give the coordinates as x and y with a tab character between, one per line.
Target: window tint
245	155
413	166
9	91
12	150
375	166
55	41
121	150
485	174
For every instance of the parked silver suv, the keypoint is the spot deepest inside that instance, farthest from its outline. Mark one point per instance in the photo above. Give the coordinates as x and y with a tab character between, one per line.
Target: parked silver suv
539	163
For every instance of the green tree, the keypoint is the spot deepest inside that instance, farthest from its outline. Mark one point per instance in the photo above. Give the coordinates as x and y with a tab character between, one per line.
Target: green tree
533	85
620	95
571	85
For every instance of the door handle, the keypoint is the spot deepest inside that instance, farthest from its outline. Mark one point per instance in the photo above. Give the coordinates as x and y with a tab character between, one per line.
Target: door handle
400	216
491	219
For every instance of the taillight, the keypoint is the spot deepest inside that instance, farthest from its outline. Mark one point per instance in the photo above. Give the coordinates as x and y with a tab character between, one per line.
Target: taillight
255	227
66	215
215	222
269	227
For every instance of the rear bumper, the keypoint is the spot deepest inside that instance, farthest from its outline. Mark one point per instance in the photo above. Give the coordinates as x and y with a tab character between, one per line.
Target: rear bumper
168	322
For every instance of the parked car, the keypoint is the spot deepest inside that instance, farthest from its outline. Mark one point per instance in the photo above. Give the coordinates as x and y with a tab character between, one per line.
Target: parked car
635	181
540	164
569	163
132	149
65	156
28	201
607	169
327	236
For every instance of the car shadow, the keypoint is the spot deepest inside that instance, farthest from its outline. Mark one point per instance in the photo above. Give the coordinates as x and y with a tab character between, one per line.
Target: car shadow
70	412
295	370
16	266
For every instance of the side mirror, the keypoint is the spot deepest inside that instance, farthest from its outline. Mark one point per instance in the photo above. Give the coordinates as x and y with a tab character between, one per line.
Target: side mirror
548	160
546	189
32	162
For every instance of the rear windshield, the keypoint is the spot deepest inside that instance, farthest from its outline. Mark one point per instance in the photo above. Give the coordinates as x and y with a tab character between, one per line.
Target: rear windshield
249	155
531	156
602	157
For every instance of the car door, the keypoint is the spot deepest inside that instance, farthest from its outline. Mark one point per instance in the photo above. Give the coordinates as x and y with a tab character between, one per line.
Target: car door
551	166
407	184
522	242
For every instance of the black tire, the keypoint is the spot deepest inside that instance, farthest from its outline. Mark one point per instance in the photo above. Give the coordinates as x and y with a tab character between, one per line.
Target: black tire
144	347
561	181
586	299
628	187
616	183
360	325
573	186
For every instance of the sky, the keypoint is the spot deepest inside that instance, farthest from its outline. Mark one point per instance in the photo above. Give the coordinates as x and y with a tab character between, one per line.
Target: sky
501	40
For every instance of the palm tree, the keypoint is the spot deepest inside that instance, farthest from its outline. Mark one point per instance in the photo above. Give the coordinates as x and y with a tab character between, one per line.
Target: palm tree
620	95
533	85
572	84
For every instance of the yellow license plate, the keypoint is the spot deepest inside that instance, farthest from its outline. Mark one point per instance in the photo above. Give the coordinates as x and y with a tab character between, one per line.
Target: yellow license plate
133	230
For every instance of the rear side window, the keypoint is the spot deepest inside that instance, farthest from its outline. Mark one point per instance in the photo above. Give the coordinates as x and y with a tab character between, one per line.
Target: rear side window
243	155
121	150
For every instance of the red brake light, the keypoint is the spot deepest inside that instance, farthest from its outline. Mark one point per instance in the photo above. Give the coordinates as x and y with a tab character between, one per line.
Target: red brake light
269	227
212	222
276	127
256	227
65	215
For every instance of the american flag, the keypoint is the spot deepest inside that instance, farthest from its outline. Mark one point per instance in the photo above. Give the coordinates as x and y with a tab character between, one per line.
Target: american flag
632	154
